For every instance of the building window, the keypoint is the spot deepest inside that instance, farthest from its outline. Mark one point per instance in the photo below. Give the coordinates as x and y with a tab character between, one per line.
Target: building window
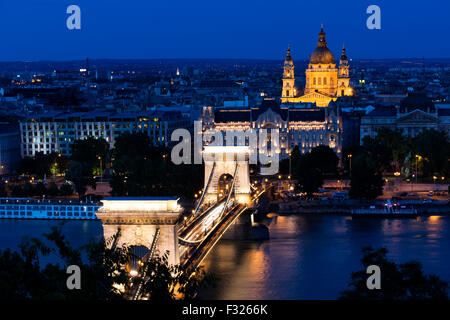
324	81
320	81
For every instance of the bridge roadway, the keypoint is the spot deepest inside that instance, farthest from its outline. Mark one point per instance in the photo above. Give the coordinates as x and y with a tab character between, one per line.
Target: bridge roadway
200	237
184	231
195	255
198	230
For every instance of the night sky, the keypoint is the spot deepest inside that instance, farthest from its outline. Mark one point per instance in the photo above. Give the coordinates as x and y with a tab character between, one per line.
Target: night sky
36	29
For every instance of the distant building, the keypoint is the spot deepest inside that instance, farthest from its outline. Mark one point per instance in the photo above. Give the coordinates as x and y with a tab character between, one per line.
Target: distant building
414	114
324	82
9	148
55	132
299	124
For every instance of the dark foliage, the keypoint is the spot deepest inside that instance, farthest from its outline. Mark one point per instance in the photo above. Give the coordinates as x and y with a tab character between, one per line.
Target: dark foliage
405	281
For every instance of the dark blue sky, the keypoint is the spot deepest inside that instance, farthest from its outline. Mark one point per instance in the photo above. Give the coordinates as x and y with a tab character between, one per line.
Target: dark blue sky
36	29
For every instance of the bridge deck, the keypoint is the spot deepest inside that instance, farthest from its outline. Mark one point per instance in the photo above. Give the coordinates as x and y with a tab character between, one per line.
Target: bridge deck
200	252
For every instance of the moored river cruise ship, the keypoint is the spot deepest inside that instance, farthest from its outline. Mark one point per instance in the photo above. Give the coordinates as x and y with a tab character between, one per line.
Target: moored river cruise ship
30	208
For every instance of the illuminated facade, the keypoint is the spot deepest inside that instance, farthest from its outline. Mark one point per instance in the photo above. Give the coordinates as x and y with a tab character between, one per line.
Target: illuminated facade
324	81
151	222
299	124
55	132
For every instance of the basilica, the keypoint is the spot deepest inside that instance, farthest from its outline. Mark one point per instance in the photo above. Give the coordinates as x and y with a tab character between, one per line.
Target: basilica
305	120
324	82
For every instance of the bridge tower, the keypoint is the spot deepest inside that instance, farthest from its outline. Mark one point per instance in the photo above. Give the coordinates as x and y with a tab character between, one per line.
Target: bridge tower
143	221
232	160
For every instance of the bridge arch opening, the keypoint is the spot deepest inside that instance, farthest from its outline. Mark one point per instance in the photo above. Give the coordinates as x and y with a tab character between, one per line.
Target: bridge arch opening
224	185
232	161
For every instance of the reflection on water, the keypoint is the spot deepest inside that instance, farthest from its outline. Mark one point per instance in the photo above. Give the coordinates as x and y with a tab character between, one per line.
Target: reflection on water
312	257
307	257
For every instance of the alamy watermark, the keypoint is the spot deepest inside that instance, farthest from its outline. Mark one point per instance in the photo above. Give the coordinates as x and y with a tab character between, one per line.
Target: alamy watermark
74	280
263	146
374	281
73	22
374	20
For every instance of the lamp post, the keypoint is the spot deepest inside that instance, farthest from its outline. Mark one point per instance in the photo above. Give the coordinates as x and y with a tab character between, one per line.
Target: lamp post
101	169
417	160
289	163
350	158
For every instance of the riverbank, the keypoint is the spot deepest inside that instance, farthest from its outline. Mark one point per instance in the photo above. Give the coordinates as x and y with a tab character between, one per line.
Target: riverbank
346	206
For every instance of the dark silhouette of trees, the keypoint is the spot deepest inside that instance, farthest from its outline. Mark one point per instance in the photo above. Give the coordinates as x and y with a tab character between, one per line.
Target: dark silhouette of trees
140	169
104	272
434	148
391	150
92	151
310	169
66	190
365	181
405	281
80	174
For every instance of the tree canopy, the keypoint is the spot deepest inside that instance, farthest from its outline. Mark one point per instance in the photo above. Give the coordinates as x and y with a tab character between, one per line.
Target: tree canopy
365	181
140	169
310	169
405	281
104	268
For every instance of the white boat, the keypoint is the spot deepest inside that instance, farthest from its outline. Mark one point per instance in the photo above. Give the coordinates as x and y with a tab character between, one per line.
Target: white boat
30	208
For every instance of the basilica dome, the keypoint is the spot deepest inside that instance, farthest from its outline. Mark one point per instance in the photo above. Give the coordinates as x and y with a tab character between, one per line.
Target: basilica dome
322	55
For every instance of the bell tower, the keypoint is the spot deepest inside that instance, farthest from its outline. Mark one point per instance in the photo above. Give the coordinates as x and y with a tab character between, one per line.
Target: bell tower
344	88
288	77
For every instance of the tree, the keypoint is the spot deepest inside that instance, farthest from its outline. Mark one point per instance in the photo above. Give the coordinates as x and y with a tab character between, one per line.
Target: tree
28	190
91	151
171	281
405	281
309	170
23	277
41	164
17	191
80	174
66	189
104	270
365	181
52	190
398	144
434	148
3	191
325	159
380	153
389	148
140	169
40	189
309	178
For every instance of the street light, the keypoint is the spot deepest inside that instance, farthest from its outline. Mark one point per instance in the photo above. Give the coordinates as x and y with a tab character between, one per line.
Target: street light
350	158
101	171
289	164
417	160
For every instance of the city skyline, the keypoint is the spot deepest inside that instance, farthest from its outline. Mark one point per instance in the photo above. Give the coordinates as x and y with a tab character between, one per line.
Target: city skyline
233	30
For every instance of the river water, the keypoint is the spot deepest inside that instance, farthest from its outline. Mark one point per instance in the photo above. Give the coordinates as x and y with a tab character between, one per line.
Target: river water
307	257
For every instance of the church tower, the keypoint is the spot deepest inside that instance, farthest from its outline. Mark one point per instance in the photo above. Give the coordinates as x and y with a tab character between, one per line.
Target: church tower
321	74
288	77
344	88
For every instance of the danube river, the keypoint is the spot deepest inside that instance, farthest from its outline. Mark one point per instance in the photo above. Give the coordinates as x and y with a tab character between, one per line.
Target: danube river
307	257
